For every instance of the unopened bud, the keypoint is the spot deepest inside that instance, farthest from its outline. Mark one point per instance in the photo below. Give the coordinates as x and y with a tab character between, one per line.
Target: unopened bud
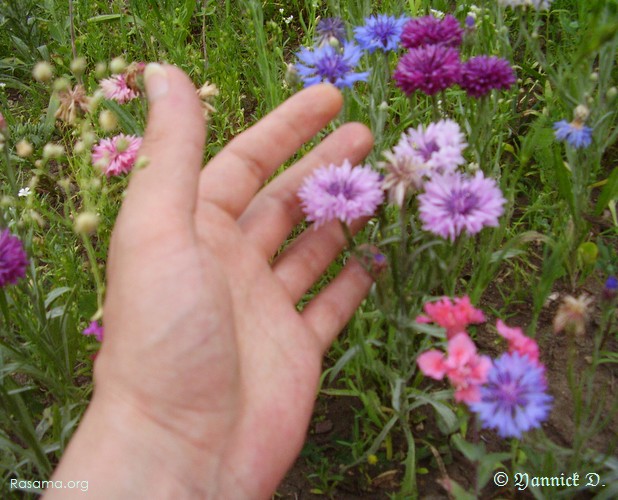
108	120
23	148
43	71
581	113
117	65
78	66
86	223
612	92
51	150
61	84
100	70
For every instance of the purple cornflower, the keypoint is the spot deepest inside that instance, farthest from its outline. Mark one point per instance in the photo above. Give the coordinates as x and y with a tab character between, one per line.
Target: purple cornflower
343	193
329	30
380	32
429	69
610	290
95	329
576	134
429	30
439	145
453	203
481	74
13	259
326	64
514	398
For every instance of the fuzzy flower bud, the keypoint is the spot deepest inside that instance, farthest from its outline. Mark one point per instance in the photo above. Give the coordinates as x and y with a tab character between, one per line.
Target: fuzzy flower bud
51	150
117	65
108	120
23	148
78	66
86	223
43	71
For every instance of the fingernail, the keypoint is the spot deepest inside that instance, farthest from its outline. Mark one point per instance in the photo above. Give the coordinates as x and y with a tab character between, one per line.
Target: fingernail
155	77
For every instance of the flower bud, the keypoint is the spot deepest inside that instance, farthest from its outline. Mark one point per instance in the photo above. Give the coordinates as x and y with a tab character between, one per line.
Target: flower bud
51	150
117	65
108	120
86	223
23	148
43	71
78	66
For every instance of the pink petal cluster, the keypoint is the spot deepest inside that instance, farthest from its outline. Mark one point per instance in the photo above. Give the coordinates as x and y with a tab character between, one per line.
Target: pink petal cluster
454	316
116	88
519	342
117	155
94	329
465	369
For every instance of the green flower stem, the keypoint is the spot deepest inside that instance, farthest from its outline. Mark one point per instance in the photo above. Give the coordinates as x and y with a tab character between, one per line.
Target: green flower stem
94	266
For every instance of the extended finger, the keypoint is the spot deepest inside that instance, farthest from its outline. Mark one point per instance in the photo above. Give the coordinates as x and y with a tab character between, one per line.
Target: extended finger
305	260
274	212
233	177
173	147
333	307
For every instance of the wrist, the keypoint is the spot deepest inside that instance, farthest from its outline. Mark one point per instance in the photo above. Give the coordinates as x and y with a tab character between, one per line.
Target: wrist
122	453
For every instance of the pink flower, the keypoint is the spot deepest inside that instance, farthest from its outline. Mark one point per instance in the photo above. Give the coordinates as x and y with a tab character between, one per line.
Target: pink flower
117	155
519	342
116	88
94	329
453	316
464	368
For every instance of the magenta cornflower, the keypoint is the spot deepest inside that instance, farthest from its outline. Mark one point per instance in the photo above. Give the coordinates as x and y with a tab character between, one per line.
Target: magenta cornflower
514	398
439	145
453	203
429	30
327	64
429	69
340	192
13	259
116	88
519	342
481	74
95	329
380	32
464	368
117	155
453	316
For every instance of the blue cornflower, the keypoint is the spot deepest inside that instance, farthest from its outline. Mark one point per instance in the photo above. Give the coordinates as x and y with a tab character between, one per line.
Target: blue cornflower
514	398
330	29
575	133
327	64
380	32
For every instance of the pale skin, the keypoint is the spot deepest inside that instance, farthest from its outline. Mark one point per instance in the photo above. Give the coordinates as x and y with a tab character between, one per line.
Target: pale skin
206	379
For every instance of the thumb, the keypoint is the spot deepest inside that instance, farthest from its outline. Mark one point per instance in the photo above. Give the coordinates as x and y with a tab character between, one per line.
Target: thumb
172	148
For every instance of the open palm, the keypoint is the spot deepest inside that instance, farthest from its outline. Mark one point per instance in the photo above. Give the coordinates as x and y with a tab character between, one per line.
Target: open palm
204	342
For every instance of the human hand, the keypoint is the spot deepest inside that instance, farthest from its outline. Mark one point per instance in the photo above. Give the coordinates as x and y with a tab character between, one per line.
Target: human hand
205	383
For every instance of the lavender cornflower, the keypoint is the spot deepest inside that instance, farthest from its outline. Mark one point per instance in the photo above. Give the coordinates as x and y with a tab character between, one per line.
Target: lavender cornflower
429	69
13	259
340	192
439	145
429	30
326	64
330	30
514	398
380	32
453	203
481	74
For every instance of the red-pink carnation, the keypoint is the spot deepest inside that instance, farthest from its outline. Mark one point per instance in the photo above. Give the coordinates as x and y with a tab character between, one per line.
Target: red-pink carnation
464	368
117	155
519	342
453	316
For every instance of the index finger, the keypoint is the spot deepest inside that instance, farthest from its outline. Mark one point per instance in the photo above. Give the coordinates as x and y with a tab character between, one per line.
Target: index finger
233	177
